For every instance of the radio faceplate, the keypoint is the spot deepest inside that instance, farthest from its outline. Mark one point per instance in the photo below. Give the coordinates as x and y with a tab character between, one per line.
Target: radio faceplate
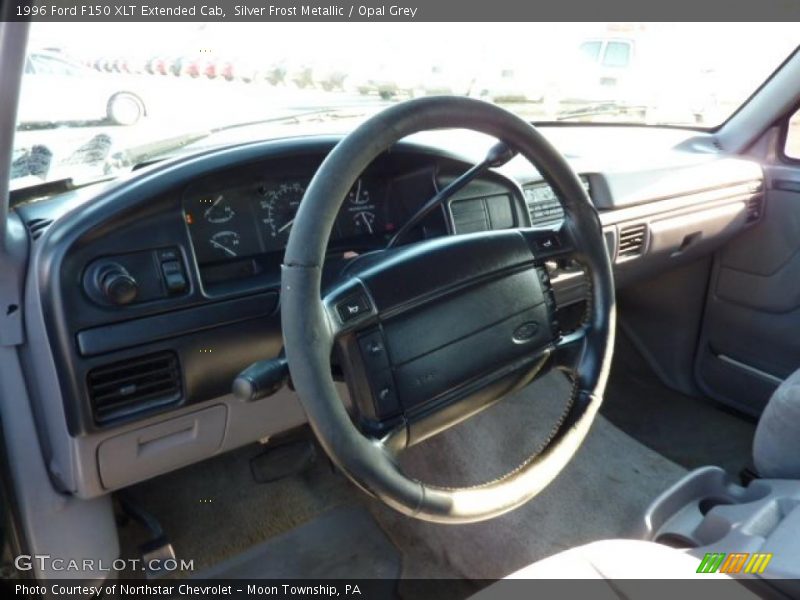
544	207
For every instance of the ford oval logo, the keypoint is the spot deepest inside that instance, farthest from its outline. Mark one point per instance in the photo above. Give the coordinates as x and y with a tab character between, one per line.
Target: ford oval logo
526	332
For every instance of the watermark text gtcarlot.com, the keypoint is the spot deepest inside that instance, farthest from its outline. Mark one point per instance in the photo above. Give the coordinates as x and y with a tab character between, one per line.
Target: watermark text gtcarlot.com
46	562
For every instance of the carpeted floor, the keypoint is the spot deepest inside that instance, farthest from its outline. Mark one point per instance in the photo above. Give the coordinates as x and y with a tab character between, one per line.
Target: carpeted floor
305	551
601	494
693	432
215	510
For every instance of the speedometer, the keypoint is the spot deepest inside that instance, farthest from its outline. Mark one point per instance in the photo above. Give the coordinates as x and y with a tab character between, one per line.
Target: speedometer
362	214
277	209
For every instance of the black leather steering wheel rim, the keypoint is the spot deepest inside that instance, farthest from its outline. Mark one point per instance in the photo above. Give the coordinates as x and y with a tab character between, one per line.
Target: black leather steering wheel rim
308	334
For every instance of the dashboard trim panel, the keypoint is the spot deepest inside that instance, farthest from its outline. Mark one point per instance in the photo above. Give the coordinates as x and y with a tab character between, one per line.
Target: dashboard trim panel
119	336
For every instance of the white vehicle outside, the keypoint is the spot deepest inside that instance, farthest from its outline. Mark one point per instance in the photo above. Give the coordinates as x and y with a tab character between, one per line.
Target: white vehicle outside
83	94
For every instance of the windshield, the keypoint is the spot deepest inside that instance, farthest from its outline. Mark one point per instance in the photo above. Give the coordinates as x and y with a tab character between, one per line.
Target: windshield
98	99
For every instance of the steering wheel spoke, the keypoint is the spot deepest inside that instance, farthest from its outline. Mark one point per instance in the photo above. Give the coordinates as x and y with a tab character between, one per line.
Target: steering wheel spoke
567	350
394	440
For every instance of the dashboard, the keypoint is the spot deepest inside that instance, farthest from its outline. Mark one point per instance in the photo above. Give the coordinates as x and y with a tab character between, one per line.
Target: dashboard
148	296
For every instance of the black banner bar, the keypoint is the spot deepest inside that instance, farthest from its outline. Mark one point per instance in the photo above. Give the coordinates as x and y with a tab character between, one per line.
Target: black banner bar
423	589
401	10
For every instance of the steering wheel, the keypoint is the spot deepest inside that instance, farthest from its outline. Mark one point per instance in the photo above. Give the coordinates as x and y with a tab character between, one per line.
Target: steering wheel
430	333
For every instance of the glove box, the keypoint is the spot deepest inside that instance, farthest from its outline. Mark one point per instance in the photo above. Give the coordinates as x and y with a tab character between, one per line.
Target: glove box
696	232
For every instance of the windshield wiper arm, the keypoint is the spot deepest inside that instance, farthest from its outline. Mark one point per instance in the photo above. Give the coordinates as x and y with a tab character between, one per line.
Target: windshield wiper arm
609	109
498	155
332	112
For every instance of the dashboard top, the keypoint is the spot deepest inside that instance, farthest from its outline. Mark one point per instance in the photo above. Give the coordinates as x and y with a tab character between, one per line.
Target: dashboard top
628	158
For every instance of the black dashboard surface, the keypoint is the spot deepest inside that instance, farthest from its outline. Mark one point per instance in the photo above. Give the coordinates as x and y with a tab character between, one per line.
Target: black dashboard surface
177	269
203	238
106	367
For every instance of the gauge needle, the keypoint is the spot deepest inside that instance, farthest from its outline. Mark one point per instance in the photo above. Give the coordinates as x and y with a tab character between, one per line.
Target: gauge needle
367	223
286	226
221	247
213	204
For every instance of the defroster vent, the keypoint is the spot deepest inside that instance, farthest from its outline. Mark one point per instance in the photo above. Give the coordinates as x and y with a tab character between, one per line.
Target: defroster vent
134	385
37	227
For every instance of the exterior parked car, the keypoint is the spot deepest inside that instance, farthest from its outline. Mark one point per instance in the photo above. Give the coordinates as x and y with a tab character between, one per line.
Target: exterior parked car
191	67
103	64
511	82
388	80
443	78
84	95
329	75
209	68
134	65
604	68
248	70
226	69
275	74
633	76
301	75
158	65
602	74
150	65
176	65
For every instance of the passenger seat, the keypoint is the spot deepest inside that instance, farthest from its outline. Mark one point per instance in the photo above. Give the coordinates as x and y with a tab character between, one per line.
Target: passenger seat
776	447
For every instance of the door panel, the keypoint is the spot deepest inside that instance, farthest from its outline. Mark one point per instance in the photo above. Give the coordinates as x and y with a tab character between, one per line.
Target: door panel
750	339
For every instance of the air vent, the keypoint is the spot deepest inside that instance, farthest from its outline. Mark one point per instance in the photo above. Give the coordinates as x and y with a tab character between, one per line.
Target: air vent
37	227
631	240
470	216
131	386
755	208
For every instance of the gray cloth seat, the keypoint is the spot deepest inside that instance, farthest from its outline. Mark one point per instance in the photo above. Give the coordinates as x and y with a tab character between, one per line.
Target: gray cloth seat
776	454
776	446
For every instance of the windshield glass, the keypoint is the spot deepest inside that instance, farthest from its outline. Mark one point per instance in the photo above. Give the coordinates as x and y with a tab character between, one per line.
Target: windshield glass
98	99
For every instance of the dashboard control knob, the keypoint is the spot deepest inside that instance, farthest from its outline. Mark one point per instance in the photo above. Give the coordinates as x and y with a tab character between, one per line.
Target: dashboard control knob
117	285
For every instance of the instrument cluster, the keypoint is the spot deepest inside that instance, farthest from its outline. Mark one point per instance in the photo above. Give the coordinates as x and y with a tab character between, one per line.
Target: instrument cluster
256	218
